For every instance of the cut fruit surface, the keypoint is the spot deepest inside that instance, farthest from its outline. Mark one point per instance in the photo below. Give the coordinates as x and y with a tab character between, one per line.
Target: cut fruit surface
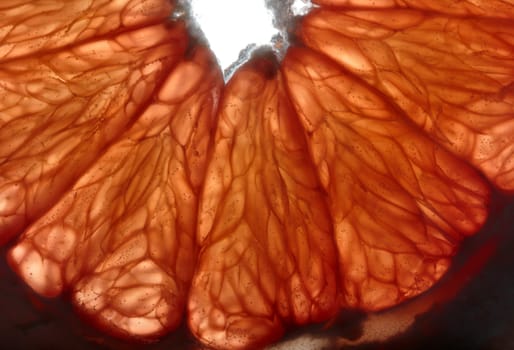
122	239
453	77
345	176
400	204
478	8
266	250
64	108
29	27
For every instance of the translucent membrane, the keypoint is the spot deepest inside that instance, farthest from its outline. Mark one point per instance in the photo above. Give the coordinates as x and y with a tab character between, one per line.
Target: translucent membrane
344	176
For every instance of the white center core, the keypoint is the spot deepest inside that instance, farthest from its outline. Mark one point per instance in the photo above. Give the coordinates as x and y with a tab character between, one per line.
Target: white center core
231	25
235	28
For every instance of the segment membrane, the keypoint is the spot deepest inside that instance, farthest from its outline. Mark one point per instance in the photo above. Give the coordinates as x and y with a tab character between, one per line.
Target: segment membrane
267	256
481	8
400	203
122	239
62	23
64	108
453	77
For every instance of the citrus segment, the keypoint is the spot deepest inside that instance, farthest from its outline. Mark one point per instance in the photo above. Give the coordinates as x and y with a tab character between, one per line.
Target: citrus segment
482	8
343	179
267	257
400	204
453	77
122	239
63	109
30	26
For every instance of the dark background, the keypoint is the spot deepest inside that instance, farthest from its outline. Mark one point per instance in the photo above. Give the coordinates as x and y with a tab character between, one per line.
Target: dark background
480	317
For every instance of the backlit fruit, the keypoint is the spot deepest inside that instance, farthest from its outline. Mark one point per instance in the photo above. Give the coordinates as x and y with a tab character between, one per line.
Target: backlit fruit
344	176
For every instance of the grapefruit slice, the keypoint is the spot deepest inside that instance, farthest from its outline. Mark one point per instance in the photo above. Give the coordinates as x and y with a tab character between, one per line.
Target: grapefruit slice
347	176
400	204
122	239
60	110
475	8
266	251
29	27
453	77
